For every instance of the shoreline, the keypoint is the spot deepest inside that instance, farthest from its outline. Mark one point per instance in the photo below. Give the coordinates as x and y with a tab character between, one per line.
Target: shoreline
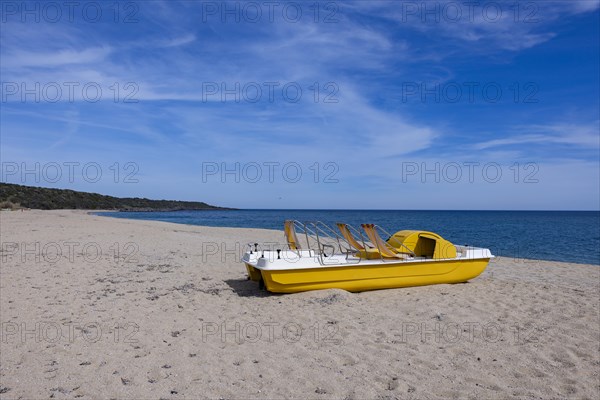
155	309
91	212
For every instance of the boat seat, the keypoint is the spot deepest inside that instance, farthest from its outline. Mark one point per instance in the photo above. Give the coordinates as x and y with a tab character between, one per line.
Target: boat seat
345	231
363	250
290	235
384	248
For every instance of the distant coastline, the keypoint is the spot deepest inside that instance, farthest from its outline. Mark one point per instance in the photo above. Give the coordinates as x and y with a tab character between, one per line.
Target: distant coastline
13	196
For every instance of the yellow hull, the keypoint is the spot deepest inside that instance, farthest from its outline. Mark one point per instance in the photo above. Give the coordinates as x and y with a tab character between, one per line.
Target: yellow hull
358	278
253	273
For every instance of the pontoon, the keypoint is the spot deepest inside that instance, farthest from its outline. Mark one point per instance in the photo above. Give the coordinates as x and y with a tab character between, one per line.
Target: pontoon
358	261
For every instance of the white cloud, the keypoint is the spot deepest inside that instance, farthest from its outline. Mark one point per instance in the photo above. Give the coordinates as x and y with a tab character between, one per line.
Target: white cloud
483	26
179	41
581	6
586	136
60	58
362	133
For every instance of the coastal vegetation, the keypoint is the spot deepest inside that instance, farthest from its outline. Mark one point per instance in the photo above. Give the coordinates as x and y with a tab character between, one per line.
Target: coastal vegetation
14	196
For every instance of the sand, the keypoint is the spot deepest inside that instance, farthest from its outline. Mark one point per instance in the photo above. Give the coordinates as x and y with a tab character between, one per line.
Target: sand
114	308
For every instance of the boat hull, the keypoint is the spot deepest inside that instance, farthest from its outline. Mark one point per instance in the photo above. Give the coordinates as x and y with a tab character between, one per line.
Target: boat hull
253	273
359	278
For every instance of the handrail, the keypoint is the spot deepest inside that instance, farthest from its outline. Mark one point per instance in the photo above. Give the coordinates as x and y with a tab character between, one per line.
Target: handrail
320	246
328	232
307	230
391	236
353	231
303	229
324	236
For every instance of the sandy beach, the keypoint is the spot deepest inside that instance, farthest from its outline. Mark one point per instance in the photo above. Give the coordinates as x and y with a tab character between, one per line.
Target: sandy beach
96	307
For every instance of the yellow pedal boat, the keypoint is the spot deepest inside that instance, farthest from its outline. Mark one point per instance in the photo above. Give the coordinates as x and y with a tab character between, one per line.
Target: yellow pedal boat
347	259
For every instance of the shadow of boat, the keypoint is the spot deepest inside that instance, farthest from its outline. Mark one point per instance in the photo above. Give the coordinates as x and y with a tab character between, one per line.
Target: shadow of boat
246	288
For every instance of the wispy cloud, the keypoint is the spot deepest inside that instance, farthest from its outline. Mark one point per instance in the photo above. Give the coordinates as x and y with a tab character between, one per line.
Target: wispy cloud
179	41
484	26
24	59
582	6
172	53
586	136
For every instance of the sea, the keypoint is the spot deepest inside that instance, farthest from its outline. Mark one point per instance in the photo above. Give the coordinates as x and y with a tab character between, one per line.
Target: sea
570	236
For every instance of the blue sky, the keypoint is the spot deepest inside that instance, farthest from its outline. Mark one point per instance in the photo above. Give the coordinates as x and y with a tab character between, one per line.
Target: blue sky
402	105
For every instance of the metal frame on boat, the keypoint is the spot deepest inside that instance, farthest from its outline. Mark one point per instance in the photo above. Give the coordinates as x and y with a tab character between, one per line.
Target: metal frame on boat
355	262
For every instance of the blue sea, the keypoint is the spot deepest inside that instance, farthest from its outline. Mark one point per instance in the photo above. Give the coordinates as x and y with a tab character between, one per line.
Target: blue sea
572	236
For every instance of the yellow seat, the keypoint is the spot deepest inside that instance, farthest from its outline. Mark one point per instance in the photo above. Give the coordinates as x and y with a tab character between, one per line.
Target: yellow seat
345	231
364	251
290	235
361	251
383	248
